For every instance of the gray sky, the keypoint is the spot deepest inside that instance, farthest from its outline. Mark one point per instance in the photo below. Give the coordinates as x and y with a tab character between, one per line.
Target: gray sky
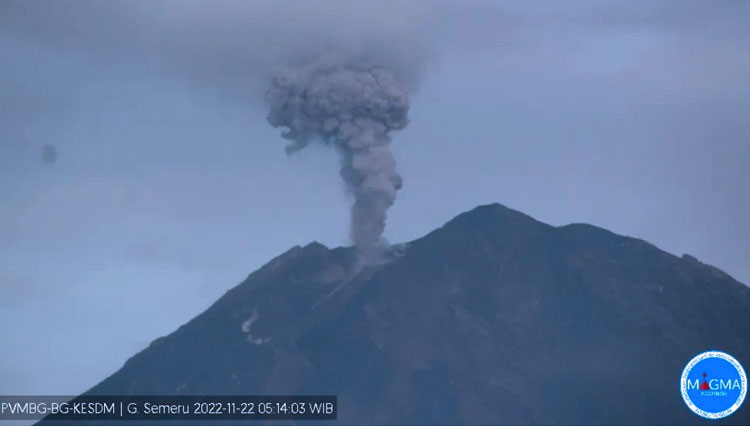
169	187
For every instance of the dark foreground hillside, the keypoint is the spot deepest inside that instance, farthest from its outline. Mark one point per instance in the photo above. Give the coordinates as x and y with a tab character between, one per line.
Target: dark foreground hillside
493	318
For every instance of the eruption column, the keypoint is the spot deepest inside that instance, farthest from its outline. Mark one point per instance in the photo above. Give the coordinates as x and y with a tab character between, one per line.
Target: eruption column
353	108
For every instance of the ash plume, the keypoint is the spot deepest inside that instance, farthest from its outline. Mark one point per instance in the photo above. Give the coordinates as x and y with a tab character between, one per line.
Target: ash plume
352	107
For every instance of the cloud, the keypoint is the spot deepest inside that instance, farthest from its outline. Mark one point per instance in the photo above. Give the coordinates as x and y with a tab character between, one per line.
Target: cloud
236	43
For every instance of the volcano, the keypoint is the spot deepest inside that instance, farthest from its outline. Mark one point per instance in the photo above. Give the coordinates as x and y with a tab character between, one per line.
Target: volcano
494	318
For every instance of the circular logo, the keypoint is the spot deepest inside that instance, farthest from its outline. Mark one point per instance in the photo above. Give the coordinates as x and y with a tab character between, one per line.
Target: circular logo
713	384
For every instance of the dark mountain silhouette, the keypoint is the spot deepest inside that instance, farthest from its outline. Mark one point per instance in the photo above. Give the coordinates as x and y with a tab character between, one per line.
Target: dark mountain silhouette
494	318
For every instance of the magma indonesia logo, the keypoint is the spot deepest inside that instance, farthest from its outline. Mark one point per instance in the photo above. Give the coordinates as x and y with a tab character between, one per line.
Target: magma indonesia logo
713	385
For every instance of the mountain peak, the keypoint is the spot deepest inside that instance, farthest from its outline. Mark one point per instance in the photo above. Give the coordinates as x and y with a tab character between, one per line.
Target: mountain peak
314	245
493	318
494	213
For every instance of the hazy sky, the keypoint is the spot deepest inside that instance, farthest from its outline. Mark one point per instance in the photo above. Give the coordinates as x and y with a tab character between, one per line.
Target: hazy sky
169	186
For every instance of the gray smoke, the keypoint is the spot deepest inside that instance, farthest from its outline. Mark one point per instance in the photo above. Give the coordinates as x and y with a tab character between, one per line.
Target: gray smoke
353	107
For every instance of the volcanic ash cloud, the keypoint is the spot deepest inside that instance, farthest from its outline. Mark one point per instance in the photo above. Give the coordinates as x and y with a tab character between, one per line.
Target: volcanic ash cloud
353	108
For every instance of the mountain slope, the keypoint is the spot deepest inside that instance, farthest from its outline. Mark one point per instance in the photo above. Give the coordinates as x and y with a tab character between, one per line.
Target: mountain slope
492	318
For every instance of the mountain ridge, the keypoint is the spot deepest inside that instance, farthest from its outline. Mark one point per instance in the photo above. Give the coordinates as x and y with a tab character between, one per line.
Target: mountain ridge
494	317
